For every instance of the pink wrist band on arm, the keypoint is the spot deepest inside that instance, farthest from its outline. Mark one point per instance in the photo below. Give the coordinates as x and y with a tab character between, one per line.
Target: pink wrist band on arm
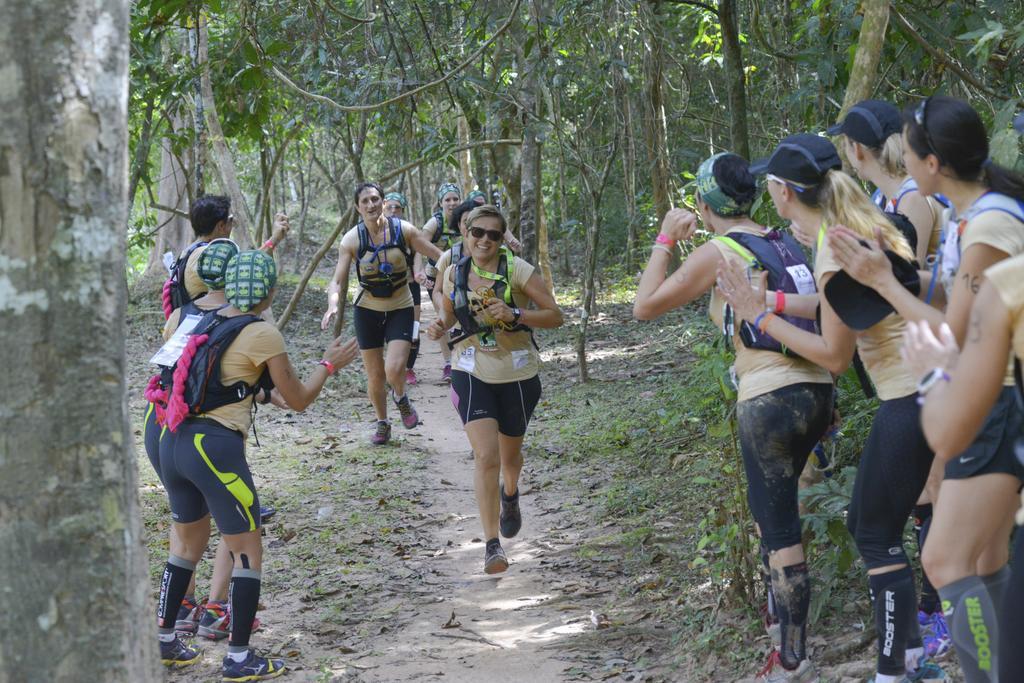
665	239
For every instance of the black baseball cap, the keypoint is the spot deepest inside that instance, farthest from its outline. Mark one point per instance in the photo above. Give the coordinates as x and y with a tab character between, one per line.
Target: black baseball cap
870	123
803	158
859	306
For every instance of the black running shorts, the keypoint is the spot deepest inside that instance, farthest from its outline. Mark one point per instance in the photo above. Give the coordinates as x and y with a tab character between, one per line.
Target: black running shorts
374	328
510	403
992	450
204	471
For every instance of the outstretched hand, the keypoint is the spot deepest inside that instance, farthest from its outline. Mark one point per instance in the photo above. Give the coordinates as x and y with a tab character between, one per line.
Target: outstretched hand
922	350
281	228
746	301
867	265
325	322
340	352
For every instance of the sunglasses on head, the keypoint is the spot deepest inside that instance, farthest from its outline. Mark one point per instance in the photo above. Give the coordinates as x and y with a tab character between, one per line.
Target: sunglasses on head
781	181
492	235
919	117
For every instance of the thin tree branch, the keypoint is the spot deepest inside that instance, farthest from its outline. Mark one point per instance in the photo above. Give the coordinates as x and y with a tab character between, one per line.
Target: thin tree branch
452	150
397	98
368	20
941	56
695	3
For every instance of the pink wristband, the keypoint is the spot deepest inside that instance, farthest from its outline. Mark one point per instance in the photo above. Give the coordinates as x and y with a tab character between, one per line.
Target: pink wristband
269	245
329	365
662	238
780	301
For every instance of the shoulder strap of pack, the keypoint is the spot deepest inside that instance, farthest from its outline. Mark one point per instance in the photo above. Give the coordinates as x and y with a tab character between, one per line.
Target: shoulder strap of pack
364	240
462	274
996	201
399	235
439	227
1018	380
909	185
738	248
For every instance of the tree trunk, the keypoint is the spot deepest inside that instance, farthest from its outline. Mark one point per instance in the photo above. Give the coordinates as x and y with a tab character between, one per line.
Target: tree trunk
655	127
529	181
141	157
174	230
198	122
243	230
465	168
543	252
734	78
69	511
864	74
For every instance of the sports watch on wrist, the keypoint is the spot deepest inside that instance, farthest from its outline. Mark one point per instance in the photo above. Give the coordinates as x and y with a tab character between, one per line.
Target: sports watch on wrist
516	314
928	382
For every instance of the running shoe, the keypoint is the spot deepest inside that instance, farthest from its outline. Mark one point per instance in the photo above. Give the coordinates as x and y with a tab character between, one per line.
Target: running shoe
410	377
175	653
409	417
216	621
188	615
511	519
383	433
927	672
253	668
935	633
495	561
774	672
446	373
266	512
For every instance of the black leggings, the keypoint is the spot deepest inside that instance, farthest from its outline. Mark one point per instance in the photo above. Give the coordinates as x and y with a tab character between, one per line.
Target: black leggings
893	470
778	430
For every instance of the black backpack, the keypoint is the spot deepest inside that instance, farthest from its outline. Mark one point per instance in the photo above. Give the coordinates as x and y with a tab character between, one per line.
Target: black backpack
196	385
468	323
175	294
779	254
385	282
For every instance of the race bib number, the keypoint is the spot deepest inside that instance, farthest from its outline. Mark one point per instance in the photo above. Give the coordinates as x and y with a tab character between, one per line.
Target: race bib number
803	278
467	359
170	352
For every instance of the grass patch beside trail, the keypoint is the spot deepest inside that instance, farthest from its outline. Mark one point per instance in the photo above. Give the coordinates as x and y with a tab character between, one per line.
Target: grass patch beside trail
662	480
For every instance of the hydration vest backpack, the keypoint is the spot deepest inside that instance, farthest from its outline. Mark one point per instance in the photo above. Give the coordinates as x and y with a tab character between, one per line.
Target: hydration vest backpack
196	385
442	237
175	294
385	281
780	255
468	322
949	262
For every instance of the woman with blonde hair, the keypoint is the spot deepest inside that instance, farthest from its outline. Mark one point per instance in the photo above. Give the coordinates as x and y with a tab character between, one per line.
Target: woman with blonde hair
808	188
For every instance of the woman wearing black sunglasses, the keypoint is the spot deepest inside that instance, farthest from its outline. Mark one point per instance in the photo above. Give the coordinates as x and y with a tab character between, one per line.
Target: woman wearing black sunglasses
495	383
946	150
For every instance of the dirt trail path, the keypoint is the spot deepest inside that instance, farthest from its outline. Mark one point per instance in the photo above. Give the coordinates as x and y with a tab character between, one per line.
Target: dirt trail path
511	624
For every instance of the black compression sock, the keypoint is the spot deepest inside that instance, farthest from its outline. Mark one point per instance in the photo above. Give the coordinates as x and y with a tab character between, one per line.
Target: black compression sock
173	584
971	618
244	596
792	587
895	603
929	600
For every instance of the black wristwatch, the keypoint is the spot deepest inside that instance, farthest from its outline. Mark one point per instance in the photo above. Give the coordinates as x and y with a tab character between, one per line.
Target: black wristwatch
516	315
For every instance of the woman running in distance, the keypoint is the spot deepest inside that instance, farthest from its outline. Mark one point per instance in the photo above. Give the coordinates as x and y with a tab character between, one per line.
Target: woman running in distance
809	189
784	404
205	472
395	205
873	142
872	135
966	553
441	233
454	254
961	391
383	308
495	384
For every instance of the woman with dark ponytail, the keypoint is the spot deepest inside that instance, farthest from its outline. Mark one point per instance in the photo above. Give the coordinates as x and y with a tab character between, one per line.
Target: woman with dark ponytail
946	150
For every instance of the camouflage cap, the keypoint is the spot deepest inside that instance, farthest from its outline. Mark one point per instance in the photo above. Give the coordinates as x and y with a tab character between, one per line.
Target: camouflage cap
249	278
